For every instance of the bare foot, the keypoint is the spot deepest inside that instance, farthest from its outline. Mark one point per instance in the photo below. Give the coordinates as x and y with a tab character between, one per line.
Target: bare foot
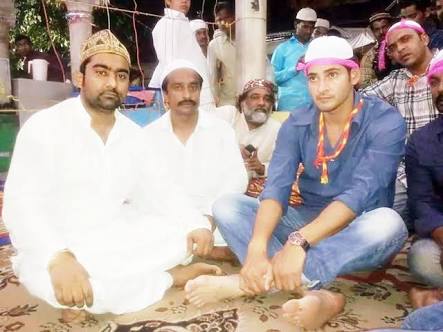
209	289
314	309
73	316
422	297
223	254
181	274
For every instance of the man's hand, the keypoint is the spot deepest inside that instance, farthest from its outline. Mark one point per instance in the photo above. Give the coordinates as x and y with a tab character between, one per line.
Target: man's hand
70	281
287	266
244	153
251	161
253	164
256	273
203	240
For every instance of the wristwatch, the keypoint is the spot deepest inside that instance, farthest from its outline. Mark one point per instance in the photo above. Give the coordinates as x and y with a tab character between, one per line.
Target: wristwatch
296	239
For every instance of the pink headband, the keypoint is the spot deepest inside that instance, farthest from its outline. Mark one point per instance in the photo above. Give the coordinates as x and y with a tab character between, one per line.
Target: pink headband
435	69
326	61
405	24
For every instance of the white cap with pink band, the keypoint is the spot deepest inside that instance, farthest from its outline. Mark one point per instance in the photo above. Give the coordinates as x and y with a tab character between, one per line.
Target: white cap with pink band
436	65
405	24
328	50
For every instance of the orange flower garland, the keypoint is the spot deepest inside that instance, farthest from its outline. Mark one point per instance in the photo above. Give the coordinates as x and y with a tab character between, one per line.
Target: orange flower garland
321	159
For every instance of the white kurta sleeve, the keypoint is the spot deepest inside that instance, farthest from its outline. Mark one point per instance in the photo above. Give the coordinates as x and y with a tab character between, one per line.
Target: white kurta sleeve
30	197
235	177
212	69
159	195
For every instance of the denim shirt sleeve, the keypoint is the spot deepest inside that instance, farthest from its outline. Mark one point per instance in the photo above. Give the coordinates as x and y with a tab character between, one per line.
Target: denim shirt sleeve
283	166
377	168
425	207
281	73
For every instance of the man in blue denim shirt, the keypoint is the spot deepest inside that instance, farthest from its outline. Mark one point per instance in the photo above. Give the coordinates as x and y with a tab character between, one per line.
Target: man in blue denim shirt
350	147
292	86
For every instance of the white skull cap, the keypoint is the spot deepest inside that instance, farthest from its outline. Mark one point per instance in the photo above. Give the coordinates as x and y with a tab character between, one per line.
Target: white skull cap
306	14
197	25
436	65
328	50
179	64
321	22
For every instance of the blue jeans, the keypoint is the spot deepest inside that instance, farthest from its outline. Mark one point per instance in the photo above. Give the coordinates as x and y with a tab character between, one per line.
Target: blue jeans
428	318
401	206
425	319
365	244
424	262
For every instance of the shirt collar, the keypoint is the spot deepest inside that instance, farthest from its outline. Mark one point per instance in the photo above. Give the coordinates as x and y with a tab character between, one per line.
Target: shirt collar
204	121
295	39
81	113
311	117
410	75
172	13
85	118
358	118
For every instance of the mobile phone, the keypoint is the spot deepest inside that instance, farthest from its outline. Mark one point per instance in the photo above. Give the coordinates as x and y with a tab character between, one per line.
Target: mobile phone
250	148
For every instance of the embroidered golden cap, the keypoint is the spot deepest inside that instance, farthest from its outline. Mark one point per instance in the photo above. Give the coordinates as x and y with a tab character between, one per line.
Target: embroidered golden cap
103	41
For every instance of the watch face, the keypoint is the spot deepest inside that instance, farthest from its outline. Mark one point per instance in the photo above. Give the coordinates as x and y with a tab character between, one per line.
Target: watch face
297	239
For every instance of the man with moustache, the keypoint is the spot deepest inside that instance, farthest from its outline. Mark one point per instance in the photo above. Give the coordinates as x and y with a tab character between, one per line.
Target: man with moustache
375	63
198	150
407	90
200	30
174	39
350	146
85	215
424	170
253	126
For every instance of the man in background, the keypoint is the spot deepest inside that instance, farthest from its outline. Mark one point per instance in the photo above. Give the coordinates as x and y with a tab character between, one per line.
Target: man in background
222	55
407	90
416	10
25	51
256	132
200	29
321	28
292	85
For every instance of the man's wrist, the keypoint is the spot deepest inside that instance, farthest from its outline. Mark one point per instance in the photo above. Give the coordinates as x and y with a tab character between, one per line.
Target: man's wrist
257	246
297	239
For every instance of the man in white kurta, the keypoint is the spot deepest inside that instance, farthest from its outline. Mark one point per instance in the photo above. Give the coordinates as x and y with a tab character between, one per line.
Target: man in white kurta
88	217
201	32
252	124
174	39
222	56
205	161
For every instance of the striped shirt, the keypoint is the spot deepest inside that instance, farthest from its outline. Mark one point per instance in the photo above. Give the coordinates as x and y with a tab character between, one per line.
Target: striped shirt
411	95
